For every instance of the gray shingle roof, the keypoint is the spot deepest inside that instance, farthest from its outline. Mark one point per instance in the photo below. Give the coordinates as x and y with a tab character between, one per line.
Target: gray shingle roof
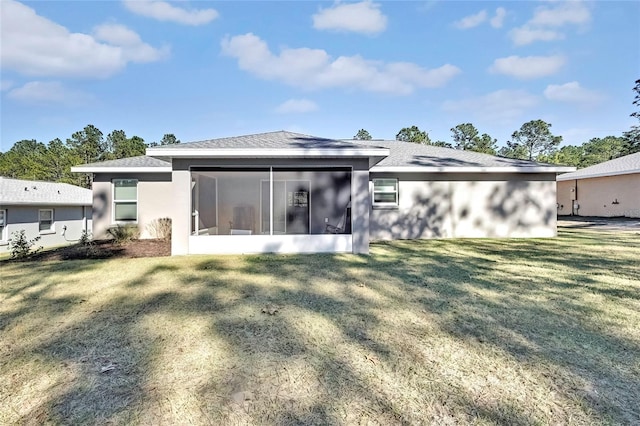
618	166
139	161
26	192
272	140
407	154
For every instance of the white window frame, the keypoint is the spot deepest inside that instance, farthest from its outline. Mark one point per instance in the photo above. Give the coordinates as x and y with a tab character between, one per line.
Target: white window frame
52	228
4	239
396	192
115	201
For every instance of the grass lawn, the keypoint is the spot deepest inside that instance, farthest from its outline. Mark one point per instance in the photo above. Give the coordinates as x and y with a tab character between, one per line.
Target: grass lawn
447	331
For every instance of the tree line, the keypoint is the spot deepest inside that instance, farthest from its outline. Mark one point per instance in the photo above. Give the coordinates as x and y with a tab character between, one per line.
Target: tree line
30	159
533	141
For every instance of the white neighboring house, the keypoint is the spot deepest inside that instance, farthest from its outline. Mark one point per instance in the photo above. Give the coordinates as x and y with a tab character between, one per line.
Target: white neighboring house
56	212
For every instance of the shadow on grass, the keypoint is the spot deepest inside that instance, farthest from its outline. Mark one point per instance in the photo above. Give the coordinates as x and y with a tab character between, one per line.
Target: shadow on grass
300	377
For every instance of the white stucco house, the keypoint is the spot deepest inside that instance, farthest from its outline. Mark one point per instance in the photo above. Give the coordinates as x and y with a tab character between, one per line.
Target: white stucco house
608	189
58	213
288	192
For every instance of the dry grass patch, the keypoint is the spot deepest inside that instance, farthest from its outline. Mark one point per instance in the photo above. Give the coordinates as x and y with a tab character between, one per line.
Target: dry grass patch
448	332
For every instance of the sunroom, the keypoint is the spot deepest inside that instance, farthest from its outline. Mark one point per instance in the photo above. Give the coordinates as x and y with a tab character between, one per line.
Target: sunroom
301	195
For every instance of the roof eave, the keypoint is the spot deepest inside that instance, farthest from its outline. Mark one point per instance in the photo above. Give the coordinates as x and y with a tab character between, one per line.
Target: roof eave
44	203
267	153
596	175
129	169
469	169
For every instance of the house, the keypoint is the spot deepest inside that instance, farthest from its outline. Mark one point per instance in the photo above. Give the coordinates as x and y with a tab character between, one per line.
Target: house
608	189
58	213
288	192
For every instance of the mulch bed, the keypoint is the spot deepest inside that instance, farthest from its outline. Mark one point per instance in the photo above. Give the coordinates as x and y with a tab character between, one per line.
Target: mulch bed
107	249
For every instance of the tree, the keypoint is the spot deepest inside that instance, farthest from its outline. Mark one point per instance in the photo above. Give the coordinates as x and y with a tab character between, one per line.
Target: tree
533	139
568	155
362	135
124	147
442	144
89	144
599	150
485	144
59	159
413	134
632	137
25	160
464	135
167	139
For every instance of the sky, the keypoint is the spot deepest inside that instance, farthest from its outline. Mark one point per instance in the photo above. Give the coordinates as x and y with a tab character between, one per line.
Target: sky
203	70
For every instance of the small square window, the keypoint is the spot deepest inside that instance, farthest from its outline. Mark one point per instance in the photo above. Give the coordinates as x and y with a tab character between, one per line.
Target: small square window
385	192
45	220
3	225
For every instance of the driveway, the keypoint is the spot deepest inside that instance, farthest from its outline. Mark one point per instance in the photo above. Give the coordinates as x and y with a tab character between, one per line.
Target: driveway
624	224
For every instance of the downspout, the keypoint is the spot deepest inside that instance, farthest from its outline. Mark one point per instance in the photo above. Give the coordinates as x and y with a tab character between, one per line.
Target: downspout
575	202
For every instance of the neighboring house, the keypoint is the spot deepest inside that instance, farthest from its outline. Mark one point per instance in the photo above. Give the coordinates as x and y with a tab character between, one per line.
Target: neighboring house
287	192
56	212
608	189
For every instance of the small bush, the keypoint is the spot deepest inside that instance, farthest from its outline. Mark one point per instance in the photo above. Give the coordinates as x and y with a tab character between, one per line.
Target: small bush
161	228
124	233
21	247
85	238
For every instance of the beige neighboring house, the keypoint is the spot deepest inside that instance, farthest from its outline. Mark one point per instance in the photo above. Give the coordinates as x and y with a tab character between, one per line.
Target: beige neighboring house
58	213
295	193
609	189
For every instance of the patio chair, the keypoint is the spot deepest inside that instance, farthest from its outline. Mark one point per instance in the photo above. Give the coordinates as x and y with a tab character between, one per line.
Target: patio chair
344	226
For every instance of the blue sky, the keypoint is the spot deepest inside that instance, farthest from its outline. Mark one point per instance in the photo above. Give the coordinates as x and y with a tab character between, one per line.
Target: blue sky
203	69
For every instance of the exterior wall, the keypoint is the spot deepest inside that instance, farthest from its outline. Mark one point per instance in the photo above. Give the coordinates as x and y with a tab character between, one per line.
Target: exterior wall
75	218
154	201
609	196
468	205
566	196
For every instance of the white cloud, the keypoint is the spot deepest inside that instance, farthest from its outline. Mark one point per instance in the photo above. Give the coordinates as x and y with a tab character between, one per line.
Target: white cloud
528	67
163	11
296	106
471	20
571	92
5	85
547	21
498	18
527	35
364	17
34	45
561	13
500	106
316	69
48	92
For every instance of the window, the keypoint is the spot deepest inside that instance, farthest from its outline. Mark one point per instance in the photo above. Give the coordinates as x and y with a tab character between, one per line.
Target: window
3	225
125	200
45	221
385	192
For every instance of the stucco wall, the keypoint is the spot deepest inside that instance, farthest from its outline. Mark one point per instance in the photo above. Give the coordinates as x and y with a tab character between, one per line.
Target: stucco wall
565	193
154	201
468	206
604	196
75	218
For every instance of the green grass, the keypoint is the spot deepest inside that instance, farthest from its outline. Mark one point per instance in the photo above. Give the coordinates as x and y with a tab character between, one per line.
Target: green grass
437	331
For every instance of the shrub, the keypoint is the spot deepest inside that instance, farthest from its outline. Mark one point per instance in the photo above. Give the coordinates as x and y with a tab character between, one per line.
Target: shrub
161	228
85	238
124	233
21	247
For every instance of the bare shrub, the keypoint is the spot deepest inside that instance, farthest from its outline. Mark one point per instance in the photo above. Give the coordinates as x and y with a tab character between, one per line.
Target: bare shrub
160	228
